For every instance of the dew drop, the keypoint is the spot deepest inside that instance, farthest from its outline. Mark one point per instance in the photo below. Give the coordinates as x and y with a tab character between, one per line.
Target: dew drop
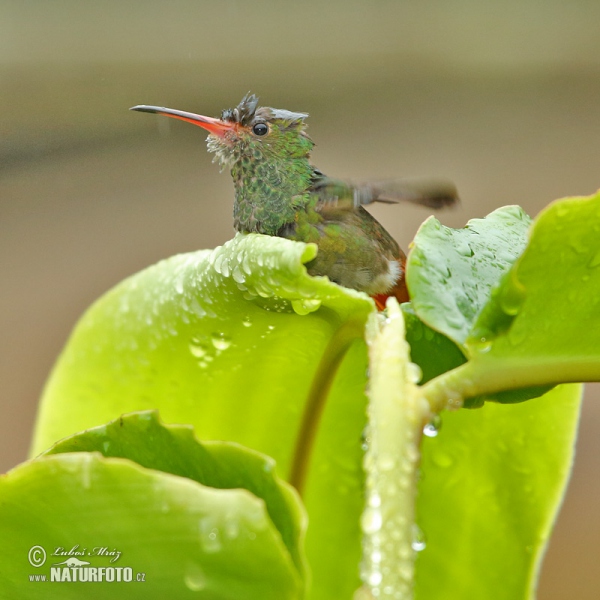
211	543
217	263
247	321
411	453
306	305
194	578
198	348
374	500
225	270
220	341
484	345
419	542
386	462
512	300
465	249
371	520
374	578
238	275
413	372
433	427
232	528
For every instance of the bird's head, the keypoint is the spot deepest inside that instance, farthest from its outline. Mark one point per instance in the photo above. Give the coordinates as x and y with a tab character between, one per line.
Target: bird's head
249	133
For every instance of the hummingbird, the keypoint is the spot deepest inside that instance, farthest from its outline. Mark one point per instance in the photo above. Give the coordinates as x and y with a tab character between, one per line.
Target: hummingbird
279	192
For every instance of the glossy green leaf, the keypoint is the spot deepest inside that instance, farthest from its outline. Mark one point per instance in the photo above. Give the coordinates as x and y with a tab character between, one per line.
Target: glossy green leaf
542	323
178	537
493	480
450	272
213	339
143	439
433	352
544	316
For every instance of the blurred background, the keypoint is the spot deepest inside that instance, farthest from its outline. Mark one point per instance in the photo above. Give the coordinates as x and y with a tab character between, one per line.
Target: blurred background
502	97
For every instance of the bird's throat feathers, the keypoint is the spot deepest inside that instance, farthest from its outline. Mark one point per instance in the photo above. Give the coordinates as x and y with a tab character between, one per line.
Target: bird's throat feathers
267	151
268	191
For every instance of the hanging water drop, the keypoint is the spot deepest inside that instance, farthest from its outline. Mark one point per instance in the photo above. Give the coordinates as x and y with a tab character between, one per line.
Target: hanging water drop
220	341
433	427
419	542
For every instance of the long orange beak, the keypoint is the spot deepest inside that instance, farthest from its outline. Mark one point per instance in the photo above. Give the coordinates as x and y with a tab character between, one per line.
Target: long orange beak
214	126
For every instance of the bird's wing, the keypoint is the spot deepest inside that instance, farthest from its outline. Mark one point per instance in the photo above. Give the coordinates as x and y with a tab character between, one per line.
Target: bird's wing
336	193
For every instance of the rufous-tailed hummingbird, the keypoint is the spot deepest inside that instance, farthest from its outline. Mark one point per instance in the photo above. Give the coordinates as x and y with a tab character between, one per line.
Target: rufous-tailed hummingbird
279	192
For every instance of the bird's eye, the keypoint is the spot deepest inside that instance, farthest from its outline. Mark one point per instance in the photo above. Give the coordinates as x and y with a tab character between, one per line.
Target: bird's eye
260	129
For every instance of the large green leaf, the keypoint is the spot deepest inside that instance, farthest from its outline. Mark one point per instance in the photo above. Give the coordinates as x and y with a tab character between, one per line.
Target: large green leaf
142	438
212	339
178	536
493	480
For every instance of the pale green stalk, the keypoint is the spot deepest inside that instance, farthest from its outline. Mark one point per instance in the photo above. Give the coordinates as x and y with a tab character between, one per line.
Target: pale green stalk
397	414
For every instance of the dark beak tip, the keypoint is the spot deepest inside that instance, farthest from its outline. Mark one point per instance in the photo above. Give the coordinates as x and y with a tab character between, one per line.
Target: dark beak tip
144	108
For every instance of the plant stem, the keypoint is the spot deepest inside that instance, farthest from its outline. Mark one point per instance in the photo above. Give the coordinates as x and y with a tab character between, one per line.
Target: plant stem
319	390
397	414
488	375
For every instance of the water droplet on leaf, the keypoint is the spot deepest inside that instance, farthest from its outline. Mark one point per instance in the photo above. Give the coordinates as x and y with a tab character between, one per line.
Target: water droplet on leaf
194	578
198	348
220	341
306	305
211	543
